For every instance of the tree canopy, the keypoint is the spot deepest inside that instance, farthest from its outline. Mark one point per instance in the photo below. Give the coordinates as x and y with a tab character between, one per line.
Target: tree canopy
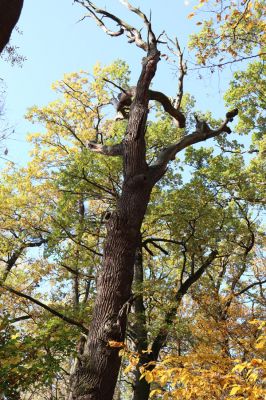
127	184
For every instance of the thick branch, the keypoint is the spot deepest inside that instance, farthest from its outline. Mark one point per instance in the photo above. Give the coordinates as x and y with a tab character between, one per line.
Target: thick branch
46	307
168	107
153	242
203	132
155	239
115	150
158	247
126	98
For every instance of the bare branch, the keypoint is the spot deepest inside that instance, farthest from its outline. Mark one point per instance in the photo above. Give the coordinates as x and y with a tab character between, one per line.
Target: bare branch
182	73
132	33
115	85
151	36
77	273
99	186
115	150
93	10
203	132
249	287
182	69
126	98
46	307
168	107
220	65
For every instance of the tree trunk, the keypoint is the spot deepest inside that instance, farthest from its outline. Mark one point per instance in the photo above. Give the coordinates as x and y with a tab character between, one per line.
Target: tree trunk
141	388
9	14
96	376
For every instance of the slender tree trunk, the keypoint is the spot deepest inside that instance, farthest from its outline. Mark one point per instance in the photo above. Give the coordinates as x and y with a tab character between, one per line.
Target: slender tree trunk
96	377
9	14
141	388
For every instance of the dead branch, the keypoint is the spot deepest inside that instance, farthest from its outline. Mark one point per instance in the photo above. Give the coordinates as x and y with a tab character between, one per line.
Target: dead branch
202	133
131	32
151	36
182	69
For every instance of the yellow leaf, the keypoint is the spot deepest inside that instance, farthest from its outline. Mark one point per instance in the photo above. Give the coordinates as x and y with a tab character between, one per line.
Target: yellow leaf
239	367
235	389
191	15
147	351
10	361
142	375
155	391
149	376
255	362
15	336
128	369
253	377
113	343
163	379
121	353
260	344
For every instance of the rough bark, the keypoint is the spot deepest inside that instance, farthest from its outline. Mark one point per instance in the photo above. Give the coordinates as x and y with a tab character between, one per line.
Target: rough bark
96	376
10	11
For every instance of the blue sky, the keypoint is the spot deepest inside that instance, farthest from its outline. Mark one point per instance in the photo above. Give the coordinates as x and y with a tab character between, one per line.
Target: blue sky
54	42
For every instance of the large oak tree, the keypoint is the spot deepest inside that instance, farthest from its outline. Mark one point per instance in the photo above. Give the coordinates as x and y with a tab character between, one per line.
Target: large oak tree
96	375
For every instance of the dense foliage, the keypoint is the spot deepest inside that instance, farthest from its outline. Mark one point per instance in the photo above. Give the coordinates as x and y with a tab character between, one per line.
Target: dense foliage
199	272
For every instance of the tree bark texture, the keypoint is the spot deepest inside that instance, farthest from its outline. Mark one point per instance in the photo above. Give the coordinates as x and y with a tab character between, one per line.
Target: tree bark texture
9	14
96	376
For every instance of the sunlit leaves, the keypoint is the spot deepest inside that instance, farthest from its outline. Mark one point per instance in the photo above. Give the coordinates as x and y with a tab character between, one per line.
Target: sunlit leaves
205	376
230	31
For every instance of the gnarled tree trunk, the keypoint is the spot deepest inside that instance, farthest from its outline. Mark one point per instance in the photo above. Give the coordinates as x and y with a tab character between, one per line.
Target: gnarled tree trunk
96	376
